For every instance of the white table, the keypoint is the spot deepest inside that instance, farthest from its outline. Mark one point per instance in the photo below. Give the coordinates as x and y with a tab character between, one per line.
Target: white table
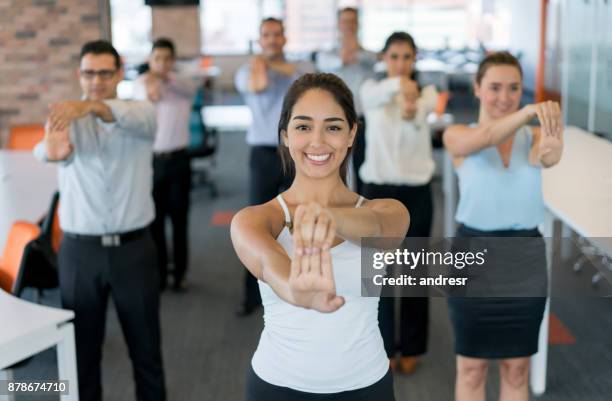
578	191
227	118
28	329
26	188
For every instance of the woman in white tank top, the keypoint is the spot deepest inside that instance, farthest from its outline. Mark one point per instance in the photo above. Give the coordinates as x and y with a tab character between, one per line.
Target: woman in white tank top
321	337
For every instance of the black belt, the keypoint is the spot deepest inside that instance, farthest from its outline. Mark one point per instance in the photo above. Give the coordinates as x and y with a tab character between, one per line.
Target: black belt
109	240
171	154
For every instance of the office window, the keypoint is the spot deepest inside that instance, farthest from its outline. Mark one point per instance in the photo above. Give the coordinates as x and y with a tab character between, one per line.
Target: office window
434	24
131	29
231	26
310	25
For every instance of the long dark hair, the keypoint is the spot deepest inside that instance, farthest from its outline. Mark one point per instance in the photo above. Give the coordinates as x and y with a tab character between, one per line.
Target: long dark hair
323	81
402	37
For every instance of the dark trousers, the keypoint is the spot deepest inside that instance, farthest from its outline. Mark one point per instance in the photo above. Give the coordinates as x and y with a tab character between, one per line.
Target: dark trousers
171	186
359	154
414	312
88	274
260	390
266	180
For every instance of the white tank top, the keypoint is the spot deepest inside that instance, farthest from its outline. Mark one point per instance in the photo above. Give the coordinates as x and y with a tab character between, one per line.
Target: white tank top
316	352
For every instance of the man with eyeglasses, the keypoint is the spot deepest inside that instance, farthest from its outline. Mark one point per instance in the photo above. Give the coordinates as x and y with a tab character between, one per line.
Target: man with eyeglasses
103	147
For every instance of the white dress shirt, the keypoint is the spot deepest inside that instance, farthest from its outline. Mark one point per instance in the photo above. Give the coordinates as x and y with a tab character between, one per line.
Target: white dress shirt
106	183
398	152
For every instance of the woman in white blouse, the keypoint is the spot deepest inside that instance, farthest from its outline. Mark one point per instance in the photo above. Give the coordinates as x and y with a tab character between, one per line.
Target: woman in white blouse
398	164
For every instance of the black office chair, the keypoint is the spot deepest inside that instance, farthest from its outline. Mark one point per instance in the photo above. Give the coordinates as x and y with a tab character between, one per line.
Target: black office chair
39	264
204	145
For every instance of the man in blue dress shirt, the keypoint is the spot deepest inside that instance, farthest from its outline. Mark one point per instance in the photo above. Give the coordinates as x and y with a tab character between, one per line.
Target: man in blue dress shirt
263	83
103	147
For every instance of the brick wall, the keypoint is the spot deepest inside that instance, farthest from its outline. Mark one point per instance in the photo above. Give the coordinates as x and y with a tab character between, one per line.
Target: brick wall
182	25
40	42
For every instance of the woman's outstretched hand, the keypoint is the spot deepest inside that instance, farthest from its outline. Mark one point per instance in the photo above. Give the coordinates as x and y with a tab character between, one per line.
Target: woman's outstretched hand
549	116
550	144
311	281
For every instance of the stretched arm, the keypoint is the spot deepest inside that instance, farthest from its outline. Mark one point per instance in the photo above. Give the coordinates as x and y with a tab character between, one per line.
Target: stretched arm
55	147
258	250
152	87
282	67
546	149
185	85
258	76
136	117
63	113
381	218
462	140
305	280
377	93
374	94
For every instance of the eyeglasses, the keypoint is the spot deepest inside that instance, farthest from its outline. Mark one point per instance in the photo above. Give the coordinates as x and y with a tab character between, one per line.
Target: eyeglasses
104	75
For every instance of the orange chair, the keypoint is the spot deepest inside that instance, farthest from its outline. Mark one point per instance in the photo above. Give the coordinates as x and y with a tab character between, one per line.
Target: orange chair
25	137
56	233
20	235
442	102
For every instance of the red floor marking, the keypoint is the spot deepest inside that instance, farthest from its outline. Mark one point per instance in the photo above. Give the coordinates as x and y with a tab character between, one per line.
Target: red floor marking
558	333
222	218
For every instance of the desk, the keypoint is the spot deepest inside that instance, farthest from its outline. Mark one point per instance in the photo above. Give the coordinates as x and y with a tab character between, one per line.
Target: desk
26	188
28	329
578	191
227	118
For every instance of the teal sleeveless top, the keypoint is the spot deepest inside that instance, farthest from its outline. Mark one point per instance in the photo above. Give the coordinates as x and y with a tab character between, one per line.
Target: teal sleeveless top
493	197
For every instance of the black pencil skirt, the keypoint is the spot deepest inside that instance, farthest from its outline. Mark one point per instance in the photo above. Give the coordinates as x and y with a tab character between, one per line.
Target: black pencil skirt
502	327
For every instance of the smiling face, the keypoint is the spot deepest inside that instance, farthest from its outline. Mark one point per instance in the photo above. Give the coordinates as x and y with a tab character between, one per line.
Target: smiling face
318	134
399	58
499	90
99	76
272	39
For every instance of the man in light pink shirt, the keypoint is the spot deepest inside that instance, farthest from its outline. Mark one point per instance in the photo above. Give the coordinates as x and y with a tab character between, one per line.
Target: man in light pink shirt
173	97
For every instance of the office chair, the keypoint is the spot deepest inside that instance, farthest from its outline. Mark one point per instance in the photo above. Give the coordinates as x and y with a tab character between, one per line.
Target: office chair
25	137
16	255
39	270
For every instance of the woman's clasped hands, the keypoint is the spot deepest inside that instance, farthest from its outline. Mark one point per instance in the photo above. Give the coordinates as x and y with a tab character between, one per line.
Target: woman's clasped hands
311	280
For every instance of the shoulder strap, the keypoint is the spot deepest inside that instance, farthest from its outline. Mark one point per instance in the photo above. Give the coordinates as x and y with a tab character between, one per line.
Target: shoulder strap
281	201
360	201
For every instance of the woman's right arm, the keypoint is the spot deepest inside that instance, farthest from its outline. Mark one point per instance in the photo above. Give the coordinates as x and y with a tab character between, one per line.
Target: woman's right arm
463	140
306	280
258	250
375	93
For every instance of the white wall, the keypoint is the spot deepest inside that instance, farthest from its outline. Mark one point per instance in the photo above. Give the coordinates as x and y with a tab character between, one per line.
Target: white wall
524	34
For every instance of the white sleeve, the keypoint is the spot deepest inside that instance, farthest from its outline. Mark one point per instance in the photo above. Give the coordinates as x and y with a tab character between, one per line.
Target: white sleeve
377	93
134	116
139	91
